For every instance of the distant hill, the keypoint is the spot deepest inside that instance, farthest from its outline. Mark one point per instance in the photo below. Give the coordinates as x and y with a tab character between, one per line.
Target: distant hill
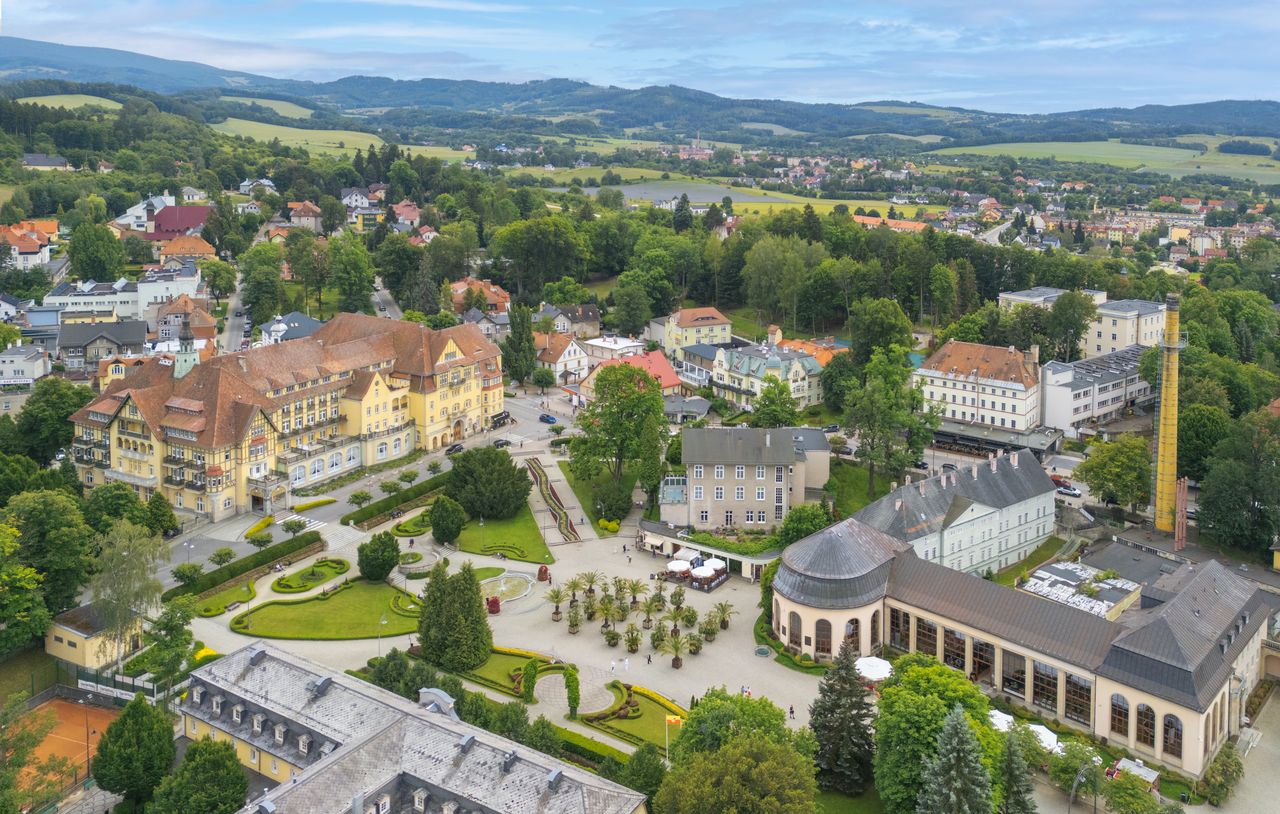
671	108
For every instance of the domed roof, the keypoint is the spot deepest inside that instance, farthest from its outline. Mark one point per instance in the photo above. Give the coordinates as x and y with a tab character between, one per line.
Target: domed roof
845	565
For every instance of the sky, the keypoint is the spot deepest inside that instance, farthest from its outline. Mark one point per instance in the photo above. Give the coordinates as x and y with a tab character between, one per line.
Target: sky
1026	56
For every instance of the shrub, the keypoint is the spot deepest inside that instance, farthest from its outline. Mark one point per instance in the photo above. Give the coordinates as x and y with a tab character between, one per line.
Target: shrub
260	540
614	500
572	692
447	519
1223	774
386	504
612	637
529	680
231	570
222	556
378	557
259	526
311	504
187	573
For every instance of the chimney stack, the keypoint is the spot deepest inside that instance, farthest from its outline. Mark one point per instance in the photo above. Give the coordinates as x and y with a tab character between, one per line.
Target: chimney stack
1013	459
908	480
1035	355
897	505
975	469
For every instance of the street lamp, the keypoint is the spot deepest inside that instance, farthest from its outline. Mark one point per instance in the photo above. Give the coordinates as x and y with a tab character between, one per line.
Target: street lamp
381	623
86	736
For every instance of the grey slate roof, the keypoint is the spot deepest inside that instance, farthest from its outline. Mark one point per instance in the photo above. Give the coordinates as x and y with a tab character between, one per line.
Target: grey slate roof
759	361
383	741
712	445
1130	563
845	565
1109	367
300	325
127	333
932	504
1139	307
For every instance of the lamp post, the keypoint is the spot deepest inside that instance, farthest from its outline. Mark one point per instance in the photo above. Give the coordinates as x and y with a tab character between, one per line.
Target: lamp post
86	736
381	623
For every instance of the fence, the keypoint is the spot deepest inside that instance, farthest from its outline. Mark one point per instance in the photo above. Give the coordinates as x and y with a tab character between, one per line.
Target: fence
121	688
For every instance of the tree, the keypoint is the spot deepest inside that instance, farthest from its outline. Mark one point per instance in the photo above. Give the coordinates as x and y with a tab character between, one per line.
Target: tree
746	776
1127	793
877	325
124	584
209	780
359	498
434	598
519	354
170	639
774	406
259	539
510	720
24	776
573	692
1200	428
889	415
391	486
1067	323
530	252
543	737
136	751
332	214
294	527
44	425
721	716
263	295
55	541
801	521
351	272
447	519
1224	772
644	770
188	573
487	483
1014	778
23	614
632	309
408	476
96	253
841	721
1237	499
219	276
682	215
377	558
1118	471
467	637
16	473
160	516
955	780
566	291
1074	766
111	502
613	426
543	378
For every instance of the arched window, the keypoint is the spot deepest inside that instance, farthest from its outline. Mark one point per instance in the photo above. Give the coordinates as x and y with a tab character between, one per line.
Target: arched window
1173	735
382	451
875	629
335	461
822	637
777	615
852	635
793	629
1146	719
1120	715
395	446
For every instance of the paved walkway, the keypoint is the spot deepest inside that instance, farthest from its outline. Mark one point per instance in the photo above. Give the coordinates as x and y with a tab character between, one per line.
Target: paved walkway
94	801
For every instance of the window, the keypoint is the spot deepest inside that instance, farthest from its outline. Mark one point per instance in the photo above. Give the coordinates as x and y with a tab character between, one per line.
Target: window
382	451
751	517
253	755
777	474
719	493
739	471
304	744
759	473
852	635
739	493
899	629
279	734
317	467
236	713
793	629
719	472
822	637
1173	736
335	461
697	493
728	518
395	446
275	767
953	648
984	656
351	456
1146	721
1014	678
702	516
697	470
1079	699
926	637
1120	715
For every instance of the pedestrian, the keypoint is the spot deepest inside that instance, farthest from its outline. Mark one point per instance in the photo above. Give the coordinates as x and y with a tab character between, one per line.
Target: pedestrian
648	659
792	710
410	542
612	665
626	664
628	559
624	548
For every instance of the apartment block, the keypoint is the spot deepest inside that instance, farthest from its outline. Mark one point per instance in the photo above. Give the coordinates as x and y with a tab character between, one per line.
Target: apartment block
1093	391
981	384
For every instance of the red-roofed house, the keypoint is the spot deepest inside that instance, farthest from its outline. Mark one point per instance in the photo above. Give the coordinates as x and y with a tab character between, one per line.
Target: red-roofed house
407	212
305	215
175	221
654	363
496	298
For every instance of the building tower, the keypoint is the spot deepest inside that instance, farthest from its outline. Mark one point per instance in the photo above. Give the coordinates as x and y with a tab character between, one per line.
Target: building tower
187	356
1167	418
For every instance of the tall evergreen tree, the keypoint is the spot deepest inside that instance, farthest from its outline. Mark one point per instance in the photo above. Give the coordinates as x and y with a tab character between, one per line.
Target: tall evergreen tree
1014	778
840	718
434	598
955	781
208	780
466	634
160	516
519	356
136	751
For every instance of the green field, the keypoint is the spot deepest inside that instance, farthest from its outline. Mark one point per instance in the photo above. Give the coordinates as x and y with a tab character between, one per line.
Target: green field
822	206
354	612
518	537
331	142
566	175
851	486
6	192
908	110
1168	160
833	802
286	109
926	139
439	151
71	101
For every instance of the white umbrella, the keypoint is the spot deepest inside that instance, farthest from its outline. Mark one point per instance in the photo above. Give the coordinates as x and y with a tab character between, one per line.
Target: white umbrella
703	572
686	554
717	564
678	565
1000	720
873	668
1047	739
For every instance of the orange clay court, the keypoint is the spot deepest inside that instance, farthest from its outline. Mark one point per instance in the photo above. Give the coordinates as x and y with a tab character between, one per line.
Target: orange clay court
67	737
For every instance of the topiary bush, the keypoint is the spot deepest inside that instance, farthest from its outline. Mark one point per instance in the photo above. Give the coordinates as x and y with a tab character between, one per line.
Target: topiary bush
614	500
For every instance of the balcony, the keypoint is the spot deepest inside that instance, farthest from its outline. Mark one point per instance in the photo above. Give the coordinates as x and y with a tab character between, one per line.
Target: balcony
315	425
169	480
143	436
102	443
148	481
365	436
195	486
102	463
267	480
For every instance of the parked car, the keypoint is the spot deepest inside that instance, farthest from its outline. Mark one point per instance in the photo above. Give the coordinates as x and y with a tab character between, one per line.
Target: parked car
547	418
501	419
454	450
502	443
382	308
921	465
1058	480
1069	491
239	313
831	428
842	450
949	467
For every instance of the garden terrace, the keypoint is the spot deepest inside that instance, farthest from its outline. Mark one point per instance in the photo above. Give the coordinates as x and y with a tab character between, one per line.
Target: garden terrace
637	716
352	610
517	538
563	522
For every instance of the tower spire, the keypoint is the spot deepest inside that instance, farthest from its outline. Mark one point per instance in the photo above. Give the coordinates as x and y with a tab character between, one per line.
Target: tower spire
186	357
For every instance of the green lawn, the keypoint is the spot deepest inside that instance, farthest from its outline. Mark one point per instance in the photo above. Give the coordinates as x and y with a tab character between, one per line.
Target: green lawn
649	726
329	300
328	142
1042	554
747	323
29	671
585	493
320	572
286	109
601	288
354	612
497	668
851	486
71	101
489	572
833	802
217	604
822	417
518	537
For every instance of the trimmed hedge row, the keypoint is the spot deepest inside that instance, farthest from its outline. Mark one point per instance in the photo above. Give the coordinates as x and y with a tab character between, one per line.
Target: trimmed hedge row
390	502
216	577
578	744
311	504
261	525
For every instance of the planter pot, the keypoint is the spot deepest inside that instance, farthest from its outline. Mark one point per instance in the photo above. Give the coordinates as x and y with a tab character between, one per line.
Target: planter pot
574	628
677	662
648	624
556	616
724	624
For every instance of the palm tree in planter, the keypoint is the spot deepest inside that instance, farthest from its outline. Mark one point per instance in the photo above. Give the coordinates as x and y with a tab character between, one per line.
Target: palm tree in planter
660	591
607	606
657	637
650	606
620	586
573	585
556	596
675	647
636	588
690	617
693	642
612	637
677	597
723	612
709	628
620	612
589	606
591	579
575	619
673	617
632	638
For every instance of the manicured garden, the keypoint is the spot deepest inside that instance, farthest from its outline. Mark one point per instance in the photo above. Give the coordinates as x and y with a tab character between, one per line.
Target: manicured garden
489	572
353	610
850	481
417	526
586	490
1039	556
304	579
637	715
552	498
216	604
519	538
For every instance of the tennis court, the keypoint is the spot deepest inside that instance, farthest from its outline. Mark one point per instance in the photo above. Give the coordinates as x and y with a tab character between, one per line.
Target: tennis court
74	721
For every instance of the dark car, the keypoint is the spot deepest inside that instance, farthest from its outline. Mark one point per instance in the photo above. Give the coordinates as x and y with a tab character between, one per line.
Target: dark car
950	468
547	418
831	428
239	313
382	307
921	465
501	419
501	443
842	450
453	450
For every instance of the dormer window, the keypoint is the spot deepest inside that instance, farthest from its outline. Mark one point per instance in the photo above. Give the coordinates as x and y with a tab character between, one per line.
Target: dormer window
279	733
304	744
217	705
197	695
237	713
257	723
420	800
384	804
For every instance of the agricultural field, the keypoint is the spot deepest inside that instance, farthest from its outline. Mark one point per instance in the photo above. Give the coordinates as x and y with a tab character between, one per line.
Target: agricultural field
328	142
442	152
925	139
6	192
567	174
71	101
286	109
1168	160
908	110
775	129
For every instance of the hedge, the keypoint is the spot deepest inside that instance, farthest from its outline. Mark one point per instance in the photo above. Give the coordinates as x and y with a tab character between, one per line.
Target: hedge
261	525
311	504
578	744
233	569
390	502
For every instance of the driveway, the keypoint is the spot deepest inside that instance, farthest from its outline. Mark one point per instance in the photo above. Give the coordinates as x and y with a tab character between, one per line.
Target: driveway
1257	791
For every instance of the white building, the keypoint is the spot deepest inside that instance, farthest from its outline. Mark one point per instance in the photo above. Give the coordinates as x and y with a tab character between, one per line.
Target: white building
983	516
1119	323
22	364
1093	390
982	384
130	299
562	355
136	216
604	348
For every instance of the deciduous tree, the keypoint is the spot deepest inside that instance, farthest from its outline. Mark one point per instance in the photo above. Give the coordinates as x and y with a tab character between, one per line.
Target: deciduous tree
160	516
124	584
774	406
44	424
55	541
136	751
626	399
1237	499
1119	470
111	502
24	775
209	780
377	558
23	614
747	775
351	272
96	253
888	415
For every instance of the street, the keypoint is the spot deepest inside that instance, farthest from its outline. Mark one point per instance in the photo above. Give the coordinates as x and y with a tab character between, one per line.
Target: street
992	236
232	332
383	299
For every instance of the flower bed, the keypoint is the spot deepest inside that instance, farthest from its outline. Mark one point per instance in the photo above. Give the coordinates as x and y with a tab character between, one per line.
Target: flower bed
548	492
637	716
410	557
304	579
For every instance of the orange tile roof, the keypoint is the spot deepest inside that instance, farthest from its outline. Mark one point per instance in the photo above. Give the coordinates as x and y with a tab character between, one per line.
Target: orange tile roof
824	352
187	246
653	362
984	361
895	225
697	317
494	294
551	346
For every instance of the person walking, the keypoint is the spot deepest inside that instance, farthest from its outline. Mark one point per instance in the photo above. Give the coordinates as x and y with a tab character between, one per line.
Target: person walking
648	659
792	711
626	664
613	664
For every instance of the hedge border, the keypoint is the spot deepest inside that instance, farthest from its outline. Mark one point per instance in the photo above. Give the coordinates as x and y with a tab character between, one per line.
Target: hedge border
261	525
311	504
215	580
386	504
321	597
344	565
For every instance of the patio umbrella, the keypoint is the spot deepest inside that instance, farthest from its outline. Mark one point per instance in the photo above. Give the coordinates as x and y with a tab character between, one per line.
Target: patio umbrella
873	668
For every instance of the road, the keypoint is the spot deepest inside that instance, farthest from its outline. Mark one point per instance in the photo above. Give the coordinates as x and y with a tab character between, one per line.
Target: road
232	333
383	299
992	236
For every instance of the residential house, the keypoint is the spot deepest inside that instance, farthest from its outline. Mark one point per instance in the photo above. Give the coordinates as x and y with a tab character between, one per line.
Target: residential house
739	374
81	346
562	355
743	478
187	247
137	217
692	326
654	363
354	197
293	325
682	409
581	321
1122	323
423	235
171	316
496	298
495	325
22	364
249	186
969	383
823	350
11	307
327	741
79	637
176	221
377	192
45	163
365	219
407	212
193	195
249	208
28	248
1093	391
306	215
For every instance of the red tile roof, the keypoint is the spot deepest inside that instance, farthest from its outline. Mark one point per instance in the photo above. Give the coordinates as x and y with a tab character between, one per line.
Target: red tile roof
654	363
